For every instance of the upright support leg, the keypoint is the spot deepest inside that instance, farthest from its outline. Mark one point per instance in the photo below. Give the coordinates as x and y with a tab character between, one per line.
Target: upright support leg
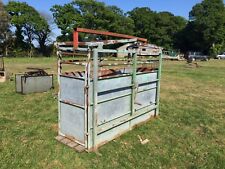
95	101
158	84
75	39
134	83
59	93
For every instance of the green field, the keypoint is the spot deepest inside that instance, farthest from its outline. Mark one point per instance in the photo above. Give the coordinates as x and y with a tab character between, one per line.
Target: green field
189	133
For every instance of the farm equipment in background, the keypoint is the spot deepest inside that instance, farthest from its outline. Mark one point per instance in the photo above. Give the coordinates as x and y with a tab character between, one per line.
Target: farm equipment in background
171	55
36	80
2	69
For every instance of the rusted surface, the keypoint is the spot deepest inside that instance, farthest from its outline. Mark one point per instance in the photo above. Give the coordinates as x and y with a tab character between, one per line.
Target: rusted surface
102	73
74	74
75	39
36	72
144	69
109	72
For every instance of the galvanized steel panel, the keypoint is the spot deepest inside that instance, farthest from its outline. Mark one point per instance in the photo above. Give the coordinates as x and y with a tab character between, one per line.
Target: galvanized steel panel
36	84
113	109
142	118
33	84
113	83
146	77
72	90
18	83
113	133
72	122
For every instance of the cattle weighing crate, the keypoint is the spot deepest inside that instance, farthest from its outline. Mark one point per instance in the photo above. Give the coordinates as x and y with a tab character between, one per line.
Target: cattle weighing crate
106	99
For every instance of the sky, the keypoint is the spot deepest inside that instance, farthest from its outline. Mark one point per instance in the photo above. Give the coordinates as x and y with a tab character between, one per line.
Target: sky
177	7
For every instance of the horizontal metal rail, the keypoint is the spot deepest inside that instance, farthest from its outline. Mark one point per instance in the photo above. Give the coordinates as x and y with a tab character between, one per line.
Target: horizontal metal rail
114	98
141	108
115	76
72	54
72	104
73	63
106	33
152	88
119	64
72	77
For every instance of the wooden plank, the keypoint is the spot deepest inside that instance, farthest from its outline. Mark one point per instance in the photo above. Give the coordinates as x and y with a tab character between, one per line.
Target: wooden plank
72	144
59	138
79	148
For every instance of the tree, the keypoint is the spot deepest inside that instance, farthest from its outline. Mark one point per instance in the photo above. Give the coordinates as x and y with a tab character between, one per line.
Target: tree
97	15
143	21
5	33
43	32
30	25
159	28
209	23
66	18
16	10
90	14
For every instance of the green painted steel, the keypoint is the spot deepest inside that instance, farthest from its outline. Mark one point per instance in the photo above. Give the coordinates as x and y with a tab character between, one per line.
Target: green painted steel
95	97
158	86
134	83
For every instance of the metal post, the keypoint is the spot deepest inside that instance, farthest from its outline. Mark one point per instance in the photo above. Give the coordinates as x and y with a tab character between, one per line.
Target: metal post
158	86
59	93
75	39
95	95
86	91
134	83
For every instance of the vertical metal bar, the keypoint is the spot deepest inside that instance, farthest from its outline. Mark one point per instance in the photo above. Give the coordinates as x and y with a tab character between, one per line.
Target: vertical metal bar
75	39
86	100
59	93
95	95
134	83
158	83
85	103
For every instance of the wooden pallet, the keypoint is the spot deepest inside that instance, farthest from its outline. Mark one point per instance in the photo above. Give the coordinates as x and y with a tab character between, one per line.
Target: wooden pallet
79	148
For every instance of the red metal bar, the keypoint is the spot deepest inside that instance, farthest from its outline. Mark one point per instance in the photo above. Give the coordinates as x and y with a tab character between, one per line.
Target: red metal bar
90	31
75	39
84	30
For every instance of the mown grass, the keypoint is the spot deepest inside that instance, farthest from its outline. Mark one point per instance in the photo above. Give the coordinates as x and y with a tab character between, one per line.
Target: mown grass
189	133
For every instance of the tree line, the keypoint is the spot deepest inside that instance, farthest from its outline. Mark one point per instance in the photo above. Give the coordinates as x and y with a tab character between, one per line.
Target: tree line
23	28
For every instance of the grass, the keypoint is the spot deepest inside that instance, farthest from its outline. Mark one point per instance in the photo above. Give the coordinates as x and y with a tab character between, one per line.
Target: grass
189	133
